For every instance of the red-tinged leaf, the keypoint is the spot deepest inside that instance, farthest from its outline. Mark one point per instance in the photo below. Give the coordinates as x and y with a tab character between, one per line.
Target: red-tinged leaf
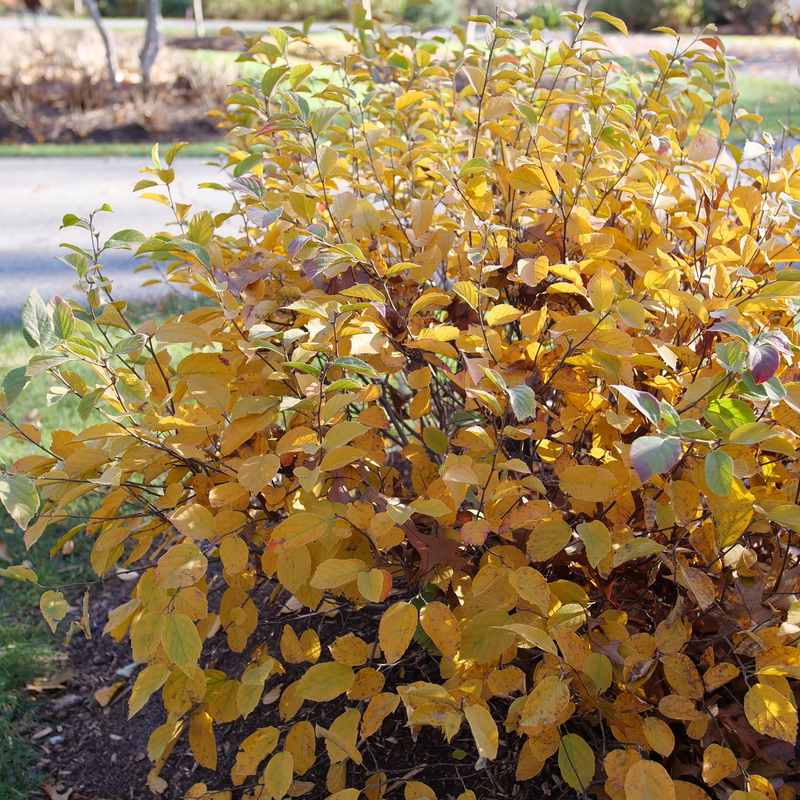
763	361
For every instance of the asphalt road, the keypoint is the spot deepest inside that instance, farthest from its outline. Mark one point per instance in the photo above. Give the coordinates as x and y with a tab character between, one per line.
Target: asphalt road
35	193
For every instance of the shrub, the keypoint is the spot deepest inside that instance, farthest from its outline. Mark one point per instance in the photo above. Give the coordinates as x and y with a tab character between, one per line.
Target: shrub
512	367
678	14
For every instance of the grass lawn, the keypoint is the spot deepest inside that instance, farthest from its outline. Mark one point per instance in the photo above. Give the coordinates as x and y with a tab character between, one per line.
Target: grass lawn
776	101
193	149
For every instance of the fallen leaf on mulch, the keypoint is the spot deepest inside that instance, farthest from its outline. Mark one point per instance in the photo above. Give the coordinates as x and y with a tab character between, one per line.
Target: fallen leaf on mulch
47	684
54	794
273	695
105	695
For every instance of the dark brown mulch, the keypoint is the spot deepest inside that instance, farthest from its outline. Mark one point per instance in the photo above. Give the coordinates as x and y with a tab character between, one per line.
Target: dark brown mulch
102	755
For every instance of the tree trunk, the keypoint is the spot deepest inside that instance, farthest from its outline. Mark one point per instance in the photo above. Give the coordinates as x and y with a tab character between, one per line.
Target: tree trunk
111	60
199	19
152	39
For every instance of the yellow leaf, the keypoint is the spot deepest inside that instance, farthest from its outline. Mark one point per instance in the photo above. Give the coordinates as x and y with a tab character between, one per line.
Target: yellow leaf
53	607
439	623
252	751
502	315
322	682
409	98
194	521
544	704
659	735
396	630
596	539
718	763
613	21
148	681
234	554
181	565
484	730
277	776
299	529
682	676
350	649
202	740
719	675
548	539
337	572
340	739
647	780
105	695
592	484
302	744
770	713
376	712
256	473
341	457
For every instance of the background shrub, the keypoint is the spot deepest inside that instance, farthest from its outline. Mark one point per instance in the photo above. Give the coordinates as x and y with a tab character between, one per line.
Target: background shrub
676	14
503	366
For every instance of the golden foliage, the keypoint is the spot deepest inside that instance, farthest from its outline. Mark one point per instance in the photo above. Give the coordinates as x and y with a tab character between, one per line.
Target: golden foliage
503	340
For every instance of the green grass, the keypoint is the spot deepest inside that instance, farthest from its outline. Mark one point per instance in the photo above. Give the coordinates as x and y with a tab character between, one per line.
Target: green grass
28	649
193	149
776	101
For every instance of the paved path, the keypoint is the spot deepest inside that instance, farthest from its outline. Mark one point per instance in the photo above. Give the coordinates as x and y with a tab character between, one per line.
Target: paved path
35	193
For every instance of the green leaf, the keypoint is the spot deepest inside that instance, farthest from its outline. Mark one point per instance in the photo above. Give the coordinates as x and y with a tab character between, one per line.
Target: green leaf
14	382
19	497
435	440
719	472
473	166
37	328
246	164
63	319
272	77
298	75
198	251
643	401
201	228
576	762
173	151
728	414
750	433
181	642
654	455
89	401
523	401
786	515
322	118
44	361
353	364
23	574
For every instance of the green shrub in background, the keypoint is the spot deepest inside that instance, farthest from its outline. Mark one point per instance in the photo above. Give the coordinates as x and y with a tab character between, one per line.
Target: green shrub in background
432	12
643	16
752	16
549	12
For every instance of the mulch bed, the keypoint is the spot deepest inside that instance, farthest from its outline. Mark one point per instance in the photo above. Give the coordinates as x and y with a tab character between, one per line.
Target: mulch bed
99	754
